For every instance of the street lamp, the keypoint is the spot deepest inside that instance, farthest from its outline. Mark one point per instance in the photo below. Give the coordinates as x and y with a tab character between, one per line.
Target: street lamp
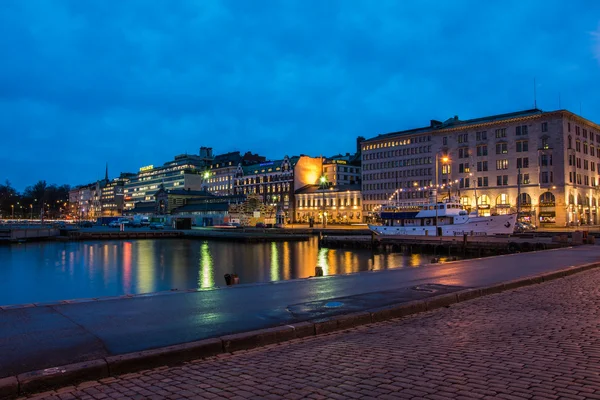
12	206
444	160
323	180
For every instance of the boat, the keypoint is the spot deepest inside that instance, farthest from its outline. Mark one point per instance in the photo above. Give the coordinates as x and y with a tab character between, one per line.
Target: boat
452	220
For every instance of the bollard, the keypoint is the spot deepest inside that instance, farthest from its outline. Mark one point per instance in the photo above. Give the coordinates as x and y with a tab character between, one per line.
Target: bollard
235	279
318	271
228	279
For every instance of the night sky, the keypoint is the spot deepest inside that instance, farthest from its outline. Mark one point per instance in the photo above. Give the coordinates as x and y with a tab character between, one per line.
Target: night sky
136	82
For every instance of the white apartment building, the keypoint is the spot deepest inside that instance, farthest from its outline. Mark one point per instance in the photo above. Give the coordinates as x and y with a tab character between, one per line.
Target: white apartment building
544	164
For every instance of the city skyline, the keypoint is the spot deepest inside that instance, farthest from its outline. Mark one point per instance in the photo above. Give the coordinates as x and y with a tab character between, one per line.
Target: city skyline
133	86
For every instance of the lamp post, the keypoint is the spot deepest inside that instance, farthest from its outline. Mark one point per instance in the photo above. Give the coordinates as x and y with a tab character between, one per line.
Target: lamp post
323	180
12	207
444	160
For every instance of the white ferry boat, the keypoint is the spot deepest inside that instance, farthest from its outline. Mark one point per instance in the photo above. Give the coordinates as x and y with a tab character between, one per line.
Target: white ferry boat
452	221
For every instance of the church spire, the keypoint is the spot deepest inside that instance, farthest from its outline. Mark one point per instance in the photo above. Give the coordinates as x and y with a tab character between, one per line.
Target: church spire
106	175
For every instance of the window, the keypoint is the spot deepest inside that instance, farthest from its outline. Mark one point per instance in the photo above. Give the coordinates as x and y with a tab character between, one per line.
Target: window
482	135
482	166
523	162
568	126
577	131
585	164
502	180
546	160
521	130
585	133
501	148
482	150
579	179
569	144
586	180
545	145
501	133
463	138
522	146
445	140
571	159
463	168
545	177
464	182
501	164
463	152
445	169
592	151
585	148
524	179
482	181
593	166
544	127
579	163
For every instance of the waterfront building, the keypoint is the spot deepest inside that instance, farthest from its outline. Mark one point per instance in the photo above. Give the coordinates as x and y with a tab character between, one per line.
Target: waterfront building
112	197
543	164
339	204
275	181
183	172
220	175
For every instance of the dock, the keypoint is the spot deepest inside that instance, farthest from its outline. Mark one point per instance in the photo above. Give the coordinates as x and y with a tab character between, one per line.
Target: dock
250	236
451	245
25	233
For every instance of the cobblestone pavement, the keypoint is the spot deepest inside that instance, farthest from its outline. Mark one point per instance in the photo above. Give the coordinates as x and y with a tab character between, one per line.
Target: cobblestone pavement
539	342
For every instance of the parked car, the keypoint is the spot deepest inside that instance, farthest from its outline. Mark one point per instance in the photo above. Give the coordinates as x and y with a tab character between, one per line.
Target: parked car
521	227
156	225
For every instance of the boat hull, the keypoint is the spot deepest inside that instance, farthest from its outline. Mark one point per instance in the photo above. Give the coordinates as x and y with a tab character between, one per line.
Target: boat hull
478	226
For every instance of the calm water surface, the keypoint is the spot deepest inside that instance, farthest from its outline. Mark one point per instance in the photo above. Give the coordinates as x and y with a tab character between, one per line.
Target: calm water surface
49	271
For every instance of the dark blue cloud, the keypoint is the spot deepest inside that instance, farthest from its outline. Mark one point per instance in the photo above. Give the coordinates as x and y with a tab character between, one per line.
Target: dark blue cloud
135	83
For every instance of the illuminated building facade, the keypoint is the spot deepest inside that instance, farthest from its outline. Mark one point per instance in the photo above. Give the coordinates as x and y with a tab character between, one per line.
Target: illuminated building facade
275	181
543	164
219	177
340	204
184	172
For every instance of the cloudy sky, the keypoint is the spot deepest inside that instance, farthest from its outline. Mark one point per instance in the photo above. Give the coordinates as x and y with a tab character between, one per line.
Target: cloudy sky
136	82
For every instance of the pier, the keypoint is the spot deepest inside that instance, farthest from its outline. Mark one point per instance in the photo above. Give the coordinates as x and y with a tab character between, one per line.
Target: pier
25	233
456	245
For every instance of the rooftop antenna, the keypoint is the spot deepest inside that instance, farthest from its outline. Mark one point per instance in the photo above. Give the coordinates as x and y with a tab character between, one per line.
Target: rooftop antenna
534	95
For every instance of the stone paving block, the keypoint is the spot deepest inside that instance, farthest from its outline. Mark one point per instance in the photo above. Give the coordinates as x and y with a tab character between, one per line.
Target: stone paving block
325	326
36	381
131	362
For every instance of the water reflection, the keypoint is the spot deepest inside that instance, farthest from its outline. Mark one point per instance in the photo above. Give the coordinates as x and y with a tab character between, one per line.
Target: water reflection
40	272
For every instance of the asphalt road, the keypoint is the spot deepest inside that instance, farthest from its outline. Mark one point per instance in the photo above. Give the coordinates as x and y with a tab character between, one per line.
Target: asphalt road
41	337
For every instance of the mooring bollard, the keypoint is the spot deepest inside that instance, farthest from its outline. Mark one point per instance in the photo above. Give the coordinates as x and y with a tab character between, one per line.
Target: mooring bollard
318	271
228	279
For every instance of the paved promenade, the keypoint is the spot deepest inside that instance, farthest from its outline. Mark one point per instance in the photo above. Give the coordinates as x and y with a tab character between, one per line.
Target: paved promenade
47	336
537	342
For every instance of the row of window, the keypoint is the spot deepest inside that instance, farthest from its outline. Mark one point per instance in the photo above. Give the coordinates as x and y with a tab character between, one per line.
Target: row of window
397	153
398	163
394	143
318	202
579	130
399	174
582	179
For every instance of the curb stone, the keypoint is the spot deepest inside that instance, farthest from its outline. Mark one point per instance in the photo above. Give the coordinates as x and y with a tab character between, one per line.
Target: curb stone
176	354
11	387
30	382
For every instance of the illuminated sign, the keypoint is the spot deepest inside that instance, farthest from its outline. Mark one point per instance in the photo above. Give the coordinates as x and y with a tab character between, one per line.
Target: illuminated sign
265	164
147	168
344	162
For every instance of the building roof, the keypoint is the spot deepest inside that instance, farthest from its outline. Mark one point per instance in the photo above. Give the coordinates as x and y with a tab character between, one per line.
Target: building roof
455	122
195	207
144	206
185	192
273	165
333	189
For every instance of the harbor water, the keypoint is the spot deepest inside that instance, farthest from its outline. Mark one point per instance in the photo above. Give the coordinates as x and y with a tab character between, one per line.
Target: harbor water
53	271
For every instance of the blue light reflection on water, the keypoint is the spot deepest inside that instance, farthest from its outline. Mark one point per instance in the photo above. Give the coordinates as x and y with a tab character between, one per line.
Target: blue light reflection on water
53	271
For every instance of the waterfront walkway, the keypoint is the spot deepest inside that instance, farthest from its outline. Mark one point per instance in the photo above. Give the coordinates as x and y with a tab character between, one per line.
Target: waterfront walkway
537	342
43	336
